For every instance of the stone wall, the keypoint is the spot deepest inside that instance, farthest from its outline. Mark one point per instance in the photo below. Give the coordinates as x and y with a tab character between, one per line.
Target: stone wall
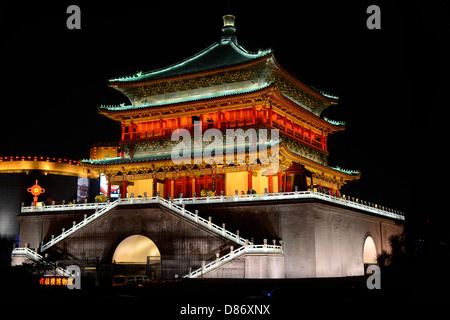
319	239
252	266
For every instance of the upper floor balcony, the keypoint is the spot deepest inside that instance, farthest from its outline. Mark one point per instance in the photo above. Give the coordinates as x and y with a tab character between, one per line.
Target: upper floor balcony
318	141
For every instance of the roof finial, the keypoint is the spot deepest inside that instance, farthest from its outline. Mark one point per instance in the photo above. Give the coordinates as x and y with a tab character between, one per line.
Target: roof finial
228	28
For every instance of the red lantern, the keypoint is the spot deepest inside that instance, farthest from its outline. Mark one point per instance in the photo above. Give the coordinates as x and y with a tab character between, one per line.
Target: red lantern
36	190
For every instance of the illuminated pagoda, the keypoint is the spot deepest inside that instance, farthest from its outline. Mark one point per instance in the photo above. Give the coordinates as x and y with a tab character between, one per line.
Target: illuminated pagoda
223	87
220	105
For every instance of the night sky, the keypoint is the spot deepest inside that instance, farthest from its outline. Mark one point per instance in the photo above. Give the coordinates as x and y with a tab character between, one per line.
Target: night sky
53	78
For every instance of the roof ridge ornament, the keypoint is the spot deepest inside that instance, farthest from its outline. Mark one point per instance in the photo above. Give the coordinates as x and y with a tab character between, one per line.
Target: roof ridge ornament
228	28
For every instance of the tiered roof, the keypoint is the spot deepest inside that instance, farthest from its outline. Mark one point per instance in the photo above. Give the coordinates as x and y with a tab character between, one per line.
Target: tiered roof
223	54
204	75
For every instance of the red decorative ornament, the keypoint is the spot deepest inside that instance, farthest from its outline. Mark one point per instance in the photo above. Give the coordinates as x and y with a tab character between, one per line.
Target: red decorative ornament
36	190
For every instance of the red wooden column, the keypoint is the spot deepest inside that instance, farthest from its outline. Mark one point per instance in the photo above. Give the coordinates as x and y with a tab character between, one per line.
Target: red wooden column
109	189
172	187
280	182
123	131
264	114
219	120
249	180
193	185
270	182
123	191
322	141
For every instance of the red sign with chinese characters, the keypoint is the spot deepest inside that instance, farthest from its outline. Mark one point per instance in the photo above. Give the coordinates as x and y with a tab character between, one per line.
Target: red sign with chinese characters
55	281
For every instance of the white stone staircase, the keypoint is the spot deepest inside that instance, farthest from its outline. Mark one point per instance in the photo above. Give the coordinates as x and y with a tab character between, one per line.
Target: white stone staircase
179	210
234	254
33	255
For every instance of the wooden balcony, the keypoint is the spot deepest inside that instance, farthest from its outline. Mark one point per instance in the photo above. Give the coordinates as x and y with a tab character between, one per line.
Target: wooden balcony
244	123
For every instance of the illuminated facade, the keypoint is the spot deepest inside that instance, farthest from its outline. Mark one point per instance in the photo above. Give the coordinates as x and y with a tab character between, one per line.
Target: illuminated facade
306	230
63	179
223	87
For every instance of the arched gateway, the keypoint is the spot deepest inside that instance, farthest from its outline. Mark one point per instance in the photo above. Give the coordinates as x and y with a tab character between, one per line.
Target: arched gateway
137	254
369	252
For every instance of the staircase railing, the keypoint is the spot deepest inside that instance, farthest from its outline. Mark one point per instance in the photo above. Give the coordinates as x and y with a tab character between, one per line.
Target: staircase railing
246	249
179	210
80	225
33	255
347	202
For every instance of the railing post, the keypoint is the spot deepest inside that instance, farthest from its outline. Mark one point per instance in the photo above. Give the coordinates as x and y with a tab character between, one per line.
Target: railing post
235	195
183	210
196	215
209	222
221	196
223	229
